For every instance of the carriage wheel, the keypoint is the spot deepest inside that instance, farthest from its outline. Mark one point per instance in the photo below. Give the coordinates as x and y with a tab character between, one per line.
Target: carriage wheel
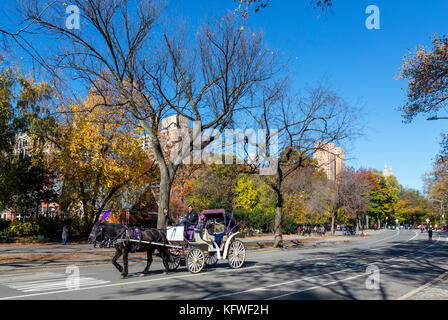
174	261
211	259
237	254
195	261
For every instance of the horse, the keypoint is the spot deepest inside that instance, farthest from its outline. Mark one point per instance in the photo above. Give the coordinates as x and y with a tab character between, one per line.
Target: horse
122	233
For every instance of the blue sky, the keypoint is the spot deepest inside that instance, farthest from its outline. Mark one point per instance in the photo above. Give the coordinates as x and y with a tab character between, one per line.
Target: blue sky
361	65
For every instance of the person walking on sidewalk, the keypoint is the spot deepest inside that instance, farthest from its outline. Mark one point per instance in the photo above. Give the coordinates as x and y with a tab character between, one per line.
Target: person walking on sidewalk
430	234
298	231
64	234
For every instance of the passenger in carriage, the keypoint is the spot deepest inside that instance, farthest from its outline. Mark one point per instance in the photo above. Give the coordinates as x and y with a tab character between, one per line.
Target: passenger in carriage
218	230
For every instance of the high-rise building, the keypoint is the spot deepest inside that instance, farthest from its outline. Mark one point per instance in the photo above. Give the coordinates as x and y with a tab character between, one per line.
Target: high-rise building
169	135
387	172
330	159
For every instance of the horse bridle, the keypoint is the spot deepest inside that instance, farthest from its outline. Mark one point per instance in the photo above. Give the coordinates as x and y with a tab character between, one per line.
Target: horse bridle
97	232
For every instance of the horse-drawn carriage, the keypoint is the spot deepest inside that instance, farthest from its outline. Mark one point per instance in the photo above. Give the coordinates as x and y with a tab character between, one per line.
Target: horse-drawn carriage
195	246
199	246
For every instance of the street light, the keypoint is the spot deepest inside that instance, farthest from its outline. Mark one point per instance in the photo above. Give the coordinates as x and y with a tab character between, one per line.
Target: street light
437	118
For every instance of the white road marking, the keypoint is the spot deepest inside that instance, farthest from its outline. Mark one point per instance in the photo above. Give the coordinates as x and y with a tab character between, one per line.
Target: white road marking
384	239
316	287
396	244
173	278
307	278
346	279
274	285
45	281
123	284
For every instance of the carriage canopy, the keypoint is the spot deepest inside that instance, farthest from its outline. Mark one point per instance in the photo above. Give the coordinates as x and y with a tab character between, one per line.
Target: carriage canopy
229	221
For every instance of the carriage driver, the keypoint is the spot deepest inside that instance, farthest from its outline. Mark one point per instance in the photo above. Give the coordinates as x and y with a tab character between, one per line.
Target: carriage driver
191	219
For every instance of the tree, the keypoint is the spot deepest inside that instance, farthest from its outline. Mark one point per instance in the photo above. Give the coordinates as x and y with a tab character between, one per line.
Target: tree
411	207
23	185
304	125
212	187
252	193
155	74
436	184
309	196
353	188
426	71
99	159
246	5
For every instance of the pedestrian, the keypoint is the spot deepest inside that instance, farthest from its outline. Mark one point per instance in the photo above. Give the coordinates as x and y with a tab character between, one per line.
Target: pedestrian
315	229
64	234
375	226
430	234
298	231
323	230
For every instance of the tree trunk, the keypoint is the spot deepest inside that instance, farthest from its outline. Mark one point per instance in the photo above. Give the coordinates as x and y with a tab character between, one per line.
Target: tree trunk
333	221
278	238
167	173
164	200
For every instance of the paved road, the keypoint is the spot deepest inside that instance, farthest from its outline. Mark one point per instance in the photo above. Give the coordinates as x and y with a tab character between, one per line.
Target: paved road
405	261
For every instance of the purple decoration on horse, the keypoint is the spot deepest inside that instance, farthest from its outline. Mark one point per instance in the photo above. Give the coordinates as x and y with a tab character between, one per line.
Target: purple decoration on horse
105	215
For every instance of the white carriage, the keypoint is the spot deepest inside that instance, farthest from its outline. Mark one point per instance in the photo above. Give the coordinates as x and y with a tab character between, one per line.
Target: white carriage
197	247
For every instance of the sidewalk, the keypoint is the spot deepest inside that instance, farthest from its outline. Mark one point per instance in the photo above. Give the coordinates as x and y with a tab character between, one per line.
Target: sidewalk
435	290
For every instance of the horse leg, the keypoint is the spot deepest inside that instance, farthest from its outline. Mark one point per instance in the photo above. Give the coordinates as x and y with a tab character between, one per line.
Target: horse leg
165	258
118	253
149	253
124	274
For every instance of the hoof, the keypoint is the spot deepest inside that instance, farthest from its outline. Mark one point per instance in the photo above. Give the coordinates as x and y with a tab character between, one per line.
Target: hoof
165	272
142	274
122	276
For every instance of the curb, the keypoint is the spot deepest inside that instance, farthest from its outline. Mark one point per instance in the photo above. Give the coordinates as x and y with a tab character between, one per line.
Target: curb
262	246
424	287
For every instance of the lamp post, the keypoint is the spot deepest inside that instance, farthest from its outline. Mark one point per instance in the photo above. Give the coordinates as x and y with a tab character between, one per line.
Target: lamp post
378	215
437	118
441	211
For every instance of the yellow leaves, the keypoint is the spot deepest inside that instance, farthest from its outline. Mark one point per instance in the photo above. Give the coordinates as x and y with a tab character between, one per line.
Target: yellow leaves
247	194
97	143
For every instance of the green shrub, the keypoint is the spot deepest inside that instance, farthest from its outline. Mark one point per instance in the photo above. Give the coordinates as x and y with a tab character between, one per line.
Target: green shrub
4	236
23	228
289	226
255	219
4	224
220	202
49	226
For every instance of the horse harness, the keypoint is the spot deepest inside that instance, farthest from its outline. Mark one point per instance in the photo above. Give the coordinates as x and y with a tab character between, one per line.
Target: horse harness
134	234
